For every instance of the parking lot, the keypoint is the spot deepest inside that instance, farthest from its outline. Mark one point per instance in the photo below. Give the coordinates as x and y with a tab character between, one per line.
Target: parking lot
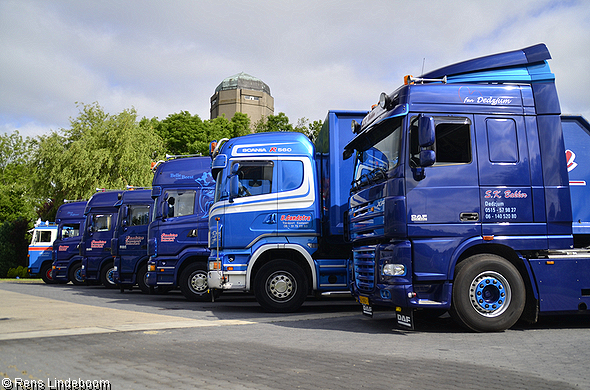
56	335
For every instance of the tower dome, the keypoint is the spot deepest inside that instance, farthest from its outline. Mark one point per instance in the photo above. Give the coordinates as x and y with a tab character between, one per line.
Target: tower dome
243	81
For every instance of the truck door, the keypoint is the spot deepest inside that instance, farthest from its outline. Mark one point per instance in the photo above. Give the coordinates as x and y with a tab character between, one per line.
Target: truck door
443	206
253	213
506	194
133	236
296	206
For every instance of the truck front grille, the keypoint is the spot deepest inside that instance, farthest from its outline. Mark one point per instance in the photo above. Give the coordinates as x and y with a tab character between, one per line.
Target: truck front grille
364	268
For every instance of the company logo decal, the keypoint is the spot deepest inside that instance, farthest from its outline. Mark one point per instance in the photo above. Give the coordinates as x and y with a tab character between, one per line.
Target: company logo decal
297	221
170	237
570	157
508	194
419	217
63	248
129	240
97	244
470	97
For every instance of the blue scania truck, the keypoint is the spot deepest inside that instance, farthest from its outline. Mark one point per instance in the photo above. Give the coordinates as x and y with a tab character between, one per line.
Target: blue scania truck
95	246
67	262
182	190
276	224
129	242
461	198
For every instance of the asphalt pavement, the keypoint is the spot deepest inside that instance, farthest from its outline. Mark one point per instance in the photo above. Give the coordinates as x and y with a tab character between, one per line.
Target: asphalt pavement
66	337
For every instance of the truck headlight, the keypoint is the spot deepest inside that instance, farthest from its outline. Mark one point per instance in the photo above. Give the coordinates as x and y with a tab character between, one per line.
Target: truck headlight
394	269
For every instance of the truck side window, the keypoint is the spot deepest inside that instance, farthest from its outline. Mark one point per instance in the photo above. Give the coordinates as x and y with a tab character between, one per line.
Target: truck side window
139	215
70	230
452	143
255	177
101	222
291	175
42	236
502	140
181	202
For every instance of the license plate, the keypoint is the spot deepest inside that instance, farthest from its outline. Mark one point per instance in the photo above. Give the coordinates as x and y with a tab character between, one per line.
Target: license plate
364	300
367	310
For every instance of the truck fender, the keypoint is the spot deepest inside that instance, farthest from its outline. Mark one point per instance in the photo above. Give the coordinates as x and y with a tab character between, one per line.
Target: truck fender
298	248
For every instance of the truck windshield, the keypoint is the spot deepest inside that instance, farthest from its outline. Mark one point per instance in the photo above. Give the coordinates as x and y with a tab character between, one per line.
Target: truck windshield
373	163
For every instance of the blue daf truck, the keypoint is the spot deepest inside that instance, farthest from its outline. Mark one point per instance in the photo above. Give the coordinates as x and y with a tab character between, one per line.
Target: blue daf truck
95	246
182	190
129	242
461	198
276	226
67	262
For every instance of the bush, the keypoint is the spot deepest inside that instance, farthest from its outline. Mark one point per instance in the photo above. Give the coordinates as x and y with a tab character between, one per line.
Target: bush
14	246
18	272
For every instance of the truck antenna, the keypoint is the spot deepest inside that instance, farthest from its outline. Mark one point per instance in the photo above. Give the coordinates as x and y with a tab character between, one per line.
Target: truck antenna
423	61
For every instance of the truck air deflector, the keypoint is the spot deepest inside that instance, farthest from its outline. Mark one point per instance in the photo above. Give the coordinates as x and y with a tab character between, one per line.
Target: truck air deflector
526	56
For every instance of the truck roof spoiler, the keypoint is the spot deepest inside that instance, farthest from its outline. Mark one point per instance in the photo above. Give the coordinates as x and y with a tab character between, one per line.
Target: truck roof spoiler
527	56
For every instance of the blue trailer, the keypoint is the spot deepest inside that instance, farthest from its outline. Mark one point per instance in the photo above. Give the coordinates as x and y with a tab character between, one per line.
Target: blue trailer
129	242
44	233
95	246
182	190
276	224
461	199
67	262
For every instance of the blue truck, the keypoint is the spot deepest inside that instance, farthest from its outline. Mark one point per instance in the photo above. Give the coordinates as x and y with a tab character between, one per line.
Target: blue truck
461	199
129	242
276	224
67	262
95	246
182	190
40	261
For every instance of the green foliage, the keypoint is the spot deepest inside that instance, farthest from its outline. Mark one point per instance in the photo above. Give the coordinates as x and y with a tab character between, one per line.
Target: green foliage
15	178
179	131
281	123
98	151
18	272
14	245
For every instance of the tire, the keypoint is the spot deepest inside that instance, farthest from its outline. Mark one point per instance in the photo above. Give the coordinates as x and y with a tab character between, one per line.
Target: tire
193	283
75	275
488	294
280	286
106	275
46	273
142	280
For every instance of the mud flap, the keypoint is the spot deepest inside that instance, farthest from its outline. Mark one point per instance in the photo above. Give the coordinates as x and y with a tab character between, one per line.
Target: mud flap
405	317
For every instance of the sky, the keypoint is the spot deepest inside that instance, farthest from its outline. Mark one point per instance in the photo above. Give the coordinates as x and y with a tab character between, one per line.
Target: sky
163	57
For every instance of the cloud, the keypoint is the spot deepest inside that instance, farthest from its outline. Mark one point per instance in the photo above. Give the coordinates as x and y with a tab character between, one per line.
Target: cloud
162	58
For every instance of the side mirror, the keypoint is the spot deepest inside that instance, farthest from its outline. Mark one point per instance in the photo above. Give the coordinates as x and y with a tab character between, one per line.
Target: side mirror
426	131
427	158
234	185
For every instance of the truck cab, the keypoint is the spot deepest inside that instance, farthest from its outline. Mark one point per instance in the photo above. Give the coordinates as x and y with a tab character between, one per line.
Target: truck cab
67	262
182	192
461	197
95	246
129	242
40	257
276	224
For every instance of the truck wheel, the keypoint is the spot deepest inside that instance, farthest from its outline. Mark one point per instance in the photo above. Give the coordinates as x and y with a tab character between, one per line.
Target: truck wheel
75	274
280	286
107	276
46	273
193	283
142	279
488	294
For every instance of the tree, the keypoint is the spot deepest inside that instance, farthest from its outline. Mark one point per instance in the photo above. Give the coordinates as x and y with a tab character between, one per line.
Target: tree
15	178
178	131
98	151
273	123
281	123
